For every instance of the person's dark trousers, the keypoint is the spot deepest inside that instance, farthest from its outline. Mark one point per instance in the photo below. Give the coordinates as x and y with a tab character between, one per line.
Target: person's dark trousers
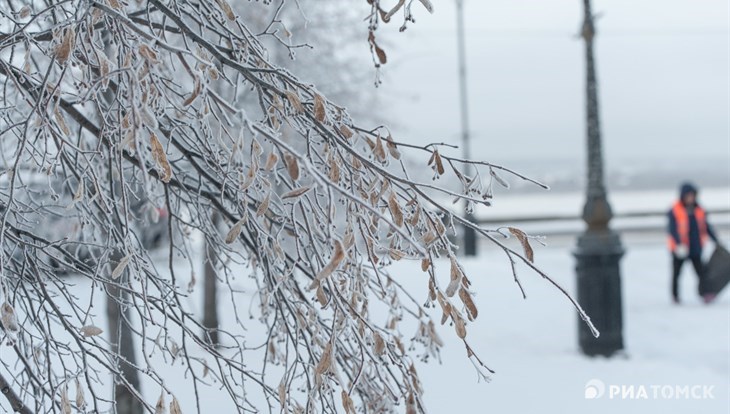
677	268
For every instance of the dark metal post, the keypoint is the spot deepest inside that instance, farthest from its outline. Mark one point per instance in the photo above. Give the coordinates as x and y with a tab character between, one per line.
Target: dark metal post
470	237
599	248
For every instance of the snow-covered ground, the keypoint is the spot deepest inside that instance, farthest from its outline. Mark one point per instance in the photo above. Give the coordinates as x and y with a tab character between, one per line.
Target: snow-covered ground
532	344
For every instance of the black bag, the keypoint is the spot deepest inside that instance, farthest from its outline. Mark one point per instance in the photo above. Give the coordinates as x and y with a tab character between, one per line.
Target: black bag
717	270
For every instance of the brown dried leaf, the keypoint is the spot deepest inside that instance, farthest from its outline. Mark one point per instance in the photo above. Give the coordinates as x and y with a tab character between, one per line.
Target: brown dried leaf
319	108
524	240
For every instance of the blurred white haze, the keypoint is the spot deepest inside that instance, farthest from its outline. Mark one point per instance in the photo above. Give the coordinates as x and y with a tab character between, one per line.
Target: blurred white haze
663	87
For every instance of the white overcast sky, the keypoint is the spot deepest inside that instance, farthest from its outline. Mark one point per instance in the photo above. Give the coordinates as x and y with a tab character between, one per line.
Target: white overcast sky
662	66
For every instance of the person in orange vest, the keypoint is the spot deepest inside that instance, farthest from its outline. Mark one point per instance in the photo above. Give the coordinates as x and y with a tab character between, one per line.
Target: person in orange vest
689	231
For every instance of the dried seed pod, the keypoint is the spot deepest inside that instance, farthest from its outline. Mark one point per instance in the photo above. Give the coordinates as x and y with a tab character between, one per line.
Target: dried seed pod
271	161
79	194
158	154
148	54
459	324
499	179
392	149
471	308
346	131
425	263
297	192
347	403
175	406
64	48
65	402
320	112
80	399
119	268
264	206
227	10
524	240
160	406
91	330
395	210
235	231
379	344
292	166
338	255
456	274
294	100
325	361
379	149
24	12
9	318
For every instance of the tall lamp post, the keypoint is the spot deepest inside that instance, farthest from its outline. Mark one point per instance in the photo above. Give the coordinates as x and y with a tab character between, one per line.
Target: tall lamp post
470	237
599	248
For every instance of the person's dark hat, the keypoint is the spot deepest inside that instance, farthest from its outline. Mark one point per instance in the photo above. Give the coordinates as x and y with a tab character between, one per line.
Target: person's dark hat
687	188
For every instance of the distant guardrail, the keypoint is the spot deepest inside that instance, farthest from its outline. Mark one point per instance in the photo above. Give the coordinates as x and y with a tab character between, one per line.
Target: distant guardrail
571	225
571	217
